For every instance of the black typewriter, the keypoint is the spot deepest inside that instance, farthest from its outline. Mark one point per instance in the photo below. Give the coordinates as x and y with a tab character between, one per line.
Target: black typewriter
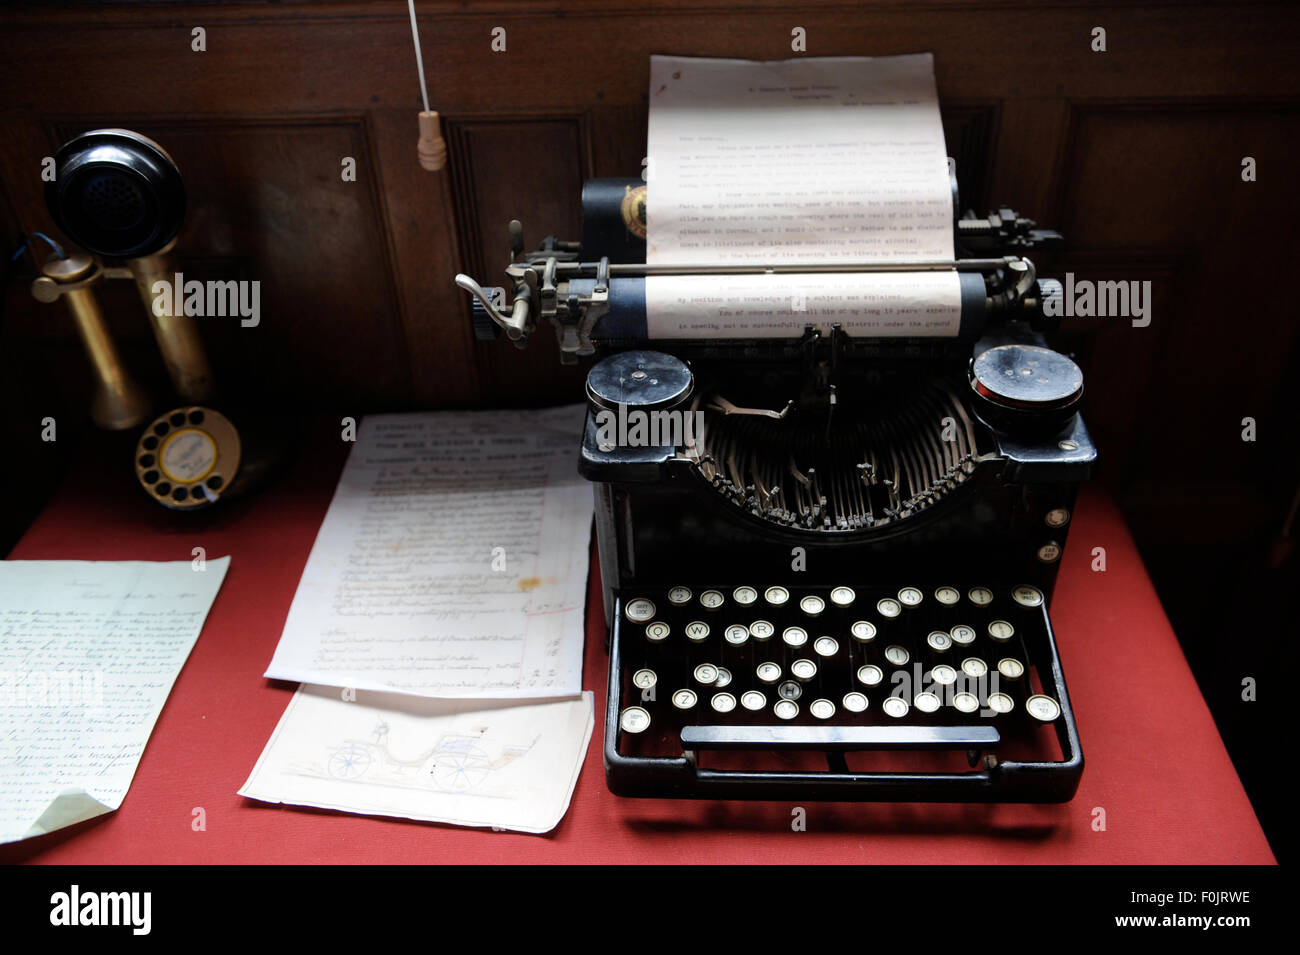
827	563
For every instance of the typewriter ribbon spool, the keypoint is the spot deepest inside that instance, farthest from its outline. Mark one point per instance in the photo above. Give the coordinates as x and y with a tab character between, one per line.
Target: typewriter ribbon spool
641	379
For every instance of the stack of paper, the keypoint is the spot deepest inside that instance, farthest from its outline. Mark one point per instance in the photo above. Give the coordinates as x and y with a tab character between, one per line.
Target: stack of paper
448	581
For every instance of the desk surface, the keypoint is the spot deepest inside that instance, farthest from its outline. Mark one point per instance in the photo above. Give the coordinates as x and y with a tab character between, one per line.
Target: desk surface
1154	760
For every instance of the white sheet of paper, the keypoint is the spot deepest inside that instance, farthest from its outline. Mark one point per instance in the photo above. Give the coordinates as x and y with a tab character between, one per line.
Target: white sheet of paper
781	305
466	763
452	561
88	654
826	160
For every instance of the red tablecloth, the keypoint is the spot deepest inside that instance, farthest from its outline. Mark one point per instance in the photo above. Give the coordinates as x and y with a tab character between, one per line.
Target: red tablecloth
1155	762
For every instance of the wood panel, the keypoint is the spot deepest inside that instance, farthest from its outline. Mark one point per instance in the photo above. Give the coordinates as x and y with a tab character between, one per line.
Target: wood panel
267	202
1153	191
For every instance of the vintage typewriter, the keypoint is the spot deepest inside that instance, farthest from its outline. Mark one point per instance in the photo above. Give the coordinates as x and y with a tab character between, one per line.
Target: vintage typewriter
837	586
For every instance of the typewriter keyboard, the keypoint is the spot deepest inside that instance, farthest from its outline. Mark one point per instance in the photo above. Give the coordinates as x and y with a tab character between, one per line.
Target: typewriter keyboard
844	668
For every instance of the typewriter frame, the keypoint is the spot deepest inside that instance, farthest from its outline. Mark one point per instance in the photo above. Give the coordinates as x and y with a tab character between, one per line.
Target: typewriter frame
589	289
624	472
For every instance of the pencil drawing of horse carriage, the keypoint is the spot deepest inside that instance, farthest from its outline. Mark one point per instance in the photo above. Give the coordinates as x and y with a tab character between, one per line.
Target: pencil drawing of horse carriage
456	763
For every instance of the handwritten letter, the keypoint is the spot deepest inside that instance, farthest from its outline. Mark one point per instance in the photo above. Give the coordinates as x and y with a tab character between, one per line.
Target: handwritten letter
88	654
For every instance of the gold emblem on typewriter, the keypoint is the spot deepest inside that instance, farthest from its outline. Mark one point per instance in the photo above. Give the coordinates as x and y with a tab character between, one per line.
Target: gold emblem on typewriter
633	209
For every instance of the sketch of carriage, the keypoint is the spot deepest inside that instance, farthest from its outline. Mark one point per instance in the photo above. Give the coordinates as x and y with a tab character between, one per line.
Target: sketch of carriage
456	763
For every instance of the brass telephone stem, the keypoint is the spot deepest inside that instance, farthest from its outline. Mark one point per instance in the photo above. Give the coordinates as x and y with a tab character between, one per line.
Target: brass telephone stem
177	335
118	402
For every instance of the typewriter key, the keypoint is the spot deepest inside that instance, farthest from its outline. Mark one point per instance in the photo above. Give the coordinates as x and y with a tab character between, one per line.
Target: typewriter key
803	670
761	630
706	673
948	596
826	646
786	709
679	596
768	672
736	635
697	632
842	596
776	596
794	636
1001	703
966	702
870	675
895	706
888	607
863	631
657	632
939	641
724	678
684	699
963	635
712	599
897	655
910	597
822	709
974	667
753	700
980	596
1011	668
1027	596
812	605
1043	707
926	702
789	690
1049	553
944	675
723	702
639	610
1057	517
634	720
644	679
744	595
1001	631
855	702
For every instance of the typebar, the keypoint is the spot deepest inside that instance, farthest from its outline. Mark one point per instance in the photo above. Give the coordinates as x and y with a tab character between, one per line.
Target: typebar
839	737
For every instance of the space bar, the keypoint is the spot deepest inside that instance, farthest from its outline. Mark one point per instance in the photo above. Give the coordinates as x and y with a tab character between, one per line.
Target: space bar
839	737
